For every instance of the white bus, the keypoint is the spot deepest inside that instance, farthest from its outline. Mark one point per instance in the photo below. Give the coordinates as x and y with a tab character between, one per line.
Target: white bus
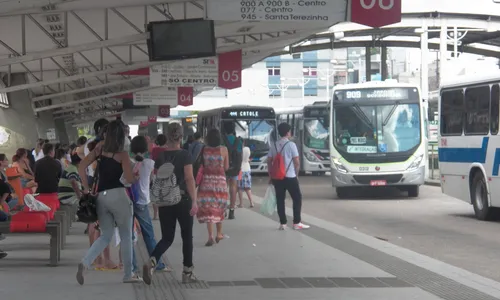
378	137
469	155
254	124
310	130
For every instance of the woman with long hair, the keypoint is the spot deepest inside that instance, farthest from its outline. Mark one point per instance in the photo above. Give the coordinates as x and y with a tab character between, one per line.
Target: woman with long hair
181	212
212	192
21	162
113	204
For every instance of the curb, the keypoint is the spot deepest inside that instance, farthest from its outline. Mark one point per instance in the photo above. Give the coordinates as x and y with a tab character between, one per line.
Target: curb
433	183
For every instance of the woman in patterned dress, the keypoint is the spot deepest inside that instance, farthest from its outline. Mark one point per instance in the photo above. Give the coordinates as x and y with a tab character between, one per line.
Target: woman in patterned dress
212	192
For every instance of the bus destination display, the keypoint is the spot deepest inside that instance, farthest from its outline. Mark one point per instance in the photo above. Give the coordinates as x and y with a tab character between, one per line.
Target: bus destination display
248	114
315	112
377	94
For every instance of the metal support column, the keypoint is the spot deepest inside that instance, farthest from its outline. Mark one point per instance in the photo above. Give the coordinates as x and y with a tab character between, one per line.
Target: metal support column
443	47
424	68
368	59
383	63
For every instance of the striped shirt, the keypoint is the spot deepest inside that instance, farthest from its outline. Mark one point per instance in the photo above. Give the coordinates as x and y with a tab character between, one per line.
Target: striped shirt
66	190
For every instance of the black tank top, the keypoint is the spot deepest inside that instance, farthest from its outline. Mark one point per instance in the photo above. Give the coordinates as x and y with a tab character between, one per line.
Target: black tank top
110	172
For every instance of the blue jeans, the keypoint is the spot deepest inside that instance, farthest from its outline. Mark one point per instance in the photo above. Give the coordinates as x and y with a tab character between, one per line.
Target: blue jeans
113	207
3	216
141	213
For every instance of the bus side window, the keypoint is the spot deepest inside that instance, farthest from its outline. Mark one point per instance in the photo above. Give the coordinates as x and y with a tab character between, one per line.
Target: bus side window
494	109
477	110
452	112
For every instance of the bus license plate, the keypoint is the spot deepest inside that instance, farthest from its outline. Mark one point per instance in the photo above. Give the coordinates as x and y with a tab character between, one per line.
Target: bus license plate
378	182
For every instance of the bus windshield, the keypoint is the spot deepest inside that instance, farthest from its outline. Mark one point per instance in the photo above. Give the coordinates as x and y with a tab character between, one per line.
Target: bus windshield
376	129
256	134
316	133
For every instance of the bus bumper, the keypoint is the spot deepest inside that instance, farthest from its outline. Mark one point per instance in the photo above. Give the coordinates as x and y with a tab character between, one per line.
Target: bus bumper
415	177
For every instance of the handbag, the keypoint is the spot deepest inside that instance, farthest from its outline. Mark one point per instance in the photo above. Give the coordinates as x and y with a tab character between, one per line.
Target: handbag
87	206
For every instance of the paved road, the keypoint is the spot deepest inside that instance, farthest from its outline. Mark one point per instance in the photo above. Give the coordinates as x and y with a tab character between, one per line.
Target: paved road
434	224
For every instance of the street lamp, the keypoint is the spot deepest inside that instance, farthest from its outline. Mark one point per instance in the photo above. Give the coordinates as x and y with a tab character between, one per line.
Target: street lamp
327	76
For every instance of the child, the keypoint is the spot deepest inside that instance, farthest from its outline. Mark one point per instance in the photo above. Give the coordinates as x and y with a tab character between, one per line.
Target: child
245	182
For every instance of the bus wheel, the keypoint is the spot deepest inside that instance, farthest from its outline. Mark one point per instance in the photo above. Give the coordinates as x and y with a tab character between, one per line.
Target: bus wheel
342	192
479	198
413	191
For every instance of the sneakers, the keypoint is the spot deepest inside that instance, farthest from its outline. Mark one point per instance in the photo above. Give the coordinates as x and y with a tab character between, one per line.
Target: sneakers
300	226
3	254
134	279
148	270
188	275
79	274
282	227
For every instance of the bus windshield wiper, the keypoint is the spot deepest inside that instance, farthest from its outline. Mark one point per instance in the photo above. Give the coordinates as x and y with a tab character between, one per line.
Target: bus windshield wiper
390	114
359	112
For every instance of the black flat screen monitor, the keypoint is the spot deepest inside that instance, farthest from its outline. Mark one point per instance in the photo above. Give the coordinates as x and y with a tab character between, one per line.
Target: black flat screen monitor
181	39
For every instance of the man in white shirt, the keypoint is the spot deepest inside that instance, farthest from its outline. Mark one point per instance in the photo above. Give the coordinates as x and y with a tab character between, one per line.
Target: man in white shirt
290	183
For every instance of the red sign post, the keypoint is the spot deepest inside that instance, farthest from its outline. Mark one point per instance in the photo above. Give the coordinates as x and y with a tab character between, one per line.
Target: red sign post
164	111
151	119
185	96
143	123
376	13
230	65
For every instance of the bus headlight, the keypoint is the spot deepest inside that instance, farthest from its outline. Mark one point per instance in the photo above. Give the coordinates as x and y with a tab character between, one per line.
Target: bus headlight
338	165
416	163
311	157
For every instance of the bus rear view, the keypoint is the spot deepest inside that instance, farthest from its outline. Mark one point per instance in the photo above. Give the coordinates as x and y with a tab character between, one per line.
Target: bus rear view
377	137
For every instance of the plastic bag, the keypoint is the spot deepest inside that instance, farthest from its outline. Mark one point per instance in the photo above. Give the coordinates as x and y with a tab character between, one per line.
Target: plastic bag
33	204
268	206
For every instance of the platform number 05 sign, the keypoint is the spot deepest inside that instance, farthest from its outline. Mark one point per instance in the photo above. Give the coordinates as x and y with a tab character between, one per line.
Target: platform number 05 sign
376	13
230	65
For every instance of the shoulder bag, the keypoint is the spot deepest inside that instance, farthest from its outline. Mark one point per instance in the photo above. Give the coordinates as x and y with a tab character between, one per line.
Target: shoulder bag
87	207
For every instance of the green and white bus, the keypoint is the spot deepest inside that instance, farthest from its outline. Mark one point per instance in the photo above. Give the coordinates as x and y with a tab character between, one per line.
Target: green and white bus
378	137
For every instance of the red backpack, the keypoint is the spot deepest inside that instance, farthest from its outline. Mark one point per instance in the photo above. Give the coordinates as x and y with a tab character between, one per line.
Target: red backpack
278	171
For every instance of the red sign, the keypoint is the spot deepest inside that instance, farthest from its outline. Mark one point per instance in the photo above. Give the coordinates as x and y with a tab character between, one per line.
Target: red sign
152	119
185	96
143	123
376	13
164	111
230	65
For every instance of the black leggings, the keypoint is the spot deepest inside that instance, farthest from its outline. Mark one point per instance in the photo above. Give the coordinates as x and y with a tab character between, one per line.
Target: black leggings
292	186
169	215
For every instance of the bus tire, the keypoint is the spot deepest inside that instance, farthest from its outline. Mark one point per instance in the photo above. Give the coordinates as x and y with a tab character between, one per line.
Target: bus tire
413	191
479	198
342	192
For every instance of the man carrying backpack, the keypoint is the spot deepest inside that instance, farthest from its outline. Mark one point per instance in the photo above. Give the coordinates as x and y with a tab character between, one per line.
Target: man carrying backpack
283	164
235	147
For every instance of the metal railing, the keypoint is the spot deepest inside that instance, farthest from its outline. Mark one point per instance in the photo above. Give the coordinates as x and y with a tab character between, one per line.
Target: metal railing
433	161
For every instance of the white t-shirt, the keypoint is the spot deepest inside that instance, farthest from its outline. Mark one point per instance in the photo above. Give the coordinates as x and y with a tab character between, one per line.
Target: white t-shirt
90	170
145	170
39	156
289	151
245	164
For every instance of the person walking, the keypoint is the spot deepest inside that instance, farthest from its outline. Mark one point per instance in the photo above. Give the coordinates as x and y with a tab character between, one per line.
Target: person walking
235	147
245	180
212	192
175	166
290	182
113	204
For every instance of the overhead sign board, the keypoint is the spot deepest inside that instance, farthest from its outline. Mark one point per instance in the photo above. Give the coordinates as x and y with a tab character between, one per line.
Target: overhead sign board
189	72
223	71
376	13
159	96
274	10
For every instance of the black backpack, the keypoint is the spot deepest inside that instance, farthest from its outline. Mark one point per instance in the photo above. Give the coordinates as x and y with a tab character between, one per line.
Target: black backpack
235	157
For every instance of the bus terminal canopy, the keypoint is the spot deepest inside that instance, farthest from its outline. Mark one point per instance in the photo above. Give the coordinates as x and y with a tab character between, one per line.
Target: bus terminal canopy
478	33
79	56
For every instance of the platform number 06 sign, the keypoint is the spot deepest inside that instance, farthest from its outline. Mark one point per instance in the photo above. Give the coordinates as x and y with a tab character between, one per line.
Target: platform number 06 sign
376	13
230	65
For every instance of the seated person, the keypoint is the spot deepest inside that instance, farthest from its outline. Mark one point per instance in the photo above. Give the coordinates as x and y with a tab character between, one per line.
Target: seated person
47	171
70	184
5	186
21	162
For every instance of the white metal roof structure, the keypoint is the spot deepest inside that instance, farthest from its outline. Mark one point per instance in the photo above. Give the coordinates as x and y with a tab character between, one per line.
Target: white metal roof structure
79	54
478	25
